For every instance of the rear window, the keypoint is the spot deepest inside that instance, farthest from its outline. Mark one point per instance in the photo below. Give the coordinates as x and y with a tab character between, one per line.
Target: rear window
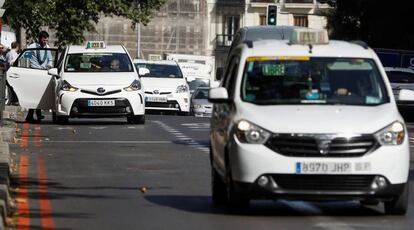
400	77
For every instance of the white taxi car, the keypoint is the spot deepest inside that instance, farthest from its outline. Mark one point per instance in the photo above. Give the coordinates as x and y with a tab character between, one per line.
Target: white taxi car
165	87
308	118
89	81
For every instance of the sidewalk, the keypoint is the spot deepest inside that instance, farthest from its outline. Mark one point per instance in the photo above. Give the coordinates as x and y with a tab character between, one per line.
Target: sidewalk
8	168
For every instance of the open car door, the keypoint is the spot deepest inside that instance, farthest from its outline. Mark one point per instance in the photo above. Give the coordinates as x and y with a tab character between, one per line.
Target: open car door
28	77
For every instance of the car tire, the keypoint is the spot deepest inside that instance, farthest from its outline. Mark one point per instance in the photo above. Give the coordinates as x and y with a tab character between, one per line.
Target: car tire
236	201
398	205
62	120
140	119
184	113
218	188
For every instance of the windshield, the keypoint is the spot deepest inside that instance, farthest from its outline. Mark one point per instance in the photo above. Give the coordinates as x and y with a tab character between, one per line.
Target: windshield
160	70
304	80
198	83
98	62
400	77
201	94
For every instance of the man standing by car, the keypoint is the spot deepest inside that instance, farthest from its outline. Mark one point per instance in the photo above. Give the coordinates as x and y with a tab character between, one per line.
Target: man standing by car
12	55
41	59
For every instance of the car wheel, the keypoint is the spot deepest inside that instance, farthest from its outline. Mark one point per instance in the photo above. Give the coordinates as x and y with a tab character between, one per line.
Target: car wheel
398	205
62	119
140	119
235	201
218	188
185	113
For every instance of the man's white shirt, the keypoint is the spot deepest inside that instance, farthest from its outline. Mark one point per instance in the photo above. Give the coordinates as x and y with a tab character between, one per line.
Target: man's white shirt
41	59
11	56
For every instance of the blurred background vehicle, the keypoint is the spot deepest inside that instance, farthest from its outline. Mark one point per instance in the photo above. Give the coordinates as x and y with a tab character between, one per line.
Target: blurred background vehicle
200	106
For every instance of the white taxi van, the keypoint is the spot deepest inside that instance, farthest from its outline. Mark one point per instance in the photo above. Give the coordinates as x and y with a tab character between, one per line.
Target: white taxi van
166	88
308	119
94	80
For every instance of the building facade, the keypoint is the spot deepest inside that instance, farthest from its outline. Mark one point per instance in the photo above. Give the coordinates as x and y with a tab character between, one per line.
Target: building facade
230	15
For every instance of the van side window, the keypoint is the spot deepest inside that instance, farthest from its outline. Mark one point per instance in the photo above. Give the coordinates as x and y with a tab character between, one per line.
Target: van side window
231	75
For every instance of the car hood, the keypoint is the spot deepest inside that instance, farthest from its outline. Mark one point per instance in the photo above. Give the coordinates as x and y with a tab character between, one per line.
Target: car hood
321	119
82	80
153	83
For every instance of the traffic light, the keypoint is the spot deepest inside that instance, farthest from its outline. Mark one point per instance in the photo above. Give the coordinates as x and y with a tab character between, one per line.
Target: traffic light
271	15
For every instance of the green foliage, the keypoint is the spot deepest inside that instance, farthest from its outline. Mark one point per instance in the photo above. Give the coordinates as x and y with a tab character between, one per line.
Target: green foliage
385	24
70	18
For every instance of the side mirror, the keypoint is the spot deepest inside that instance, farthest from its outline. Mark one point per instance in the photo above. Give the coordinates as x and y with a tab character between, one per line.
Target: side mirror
218	95
143	71
406	95
53	72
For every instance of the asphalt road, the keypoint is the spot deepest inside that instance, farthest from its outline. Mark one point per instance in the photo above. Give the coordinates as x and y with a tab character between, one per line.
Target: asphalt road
106	174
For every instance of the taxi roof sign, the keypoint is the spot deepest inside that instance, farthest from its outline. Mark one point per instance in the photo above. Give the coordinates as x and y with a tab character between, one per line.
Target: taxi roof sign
306	36
95	45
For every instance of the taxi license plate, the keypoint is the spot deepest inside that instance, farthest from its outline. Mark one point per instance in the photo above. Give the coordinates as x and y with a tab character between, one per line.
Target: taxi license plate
156	99
101	103
322	168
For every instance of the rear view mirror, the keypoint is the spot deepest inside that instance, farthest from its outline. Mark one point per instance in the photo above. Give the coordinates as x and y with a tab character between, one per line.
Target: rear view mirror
143	71
218	95
53	72
406	95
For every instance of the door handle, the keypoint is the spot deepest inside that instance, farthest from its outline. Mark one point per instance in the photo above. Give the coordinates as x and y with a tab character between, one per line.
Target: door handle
14	75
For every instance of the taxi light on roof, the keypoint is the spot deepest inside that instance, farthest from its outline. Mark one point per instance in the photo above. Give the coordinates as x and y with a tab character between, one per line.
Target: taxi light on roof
309	36
95	45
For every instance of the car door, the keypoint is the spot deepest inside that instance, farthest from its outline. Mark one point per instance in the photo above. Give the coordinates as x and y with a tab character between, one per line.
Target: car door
221	118
31	83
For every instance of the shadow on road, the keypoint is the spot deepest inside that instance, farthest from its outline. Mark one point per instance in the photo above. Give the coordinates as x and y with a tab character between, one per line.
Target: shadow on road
203	204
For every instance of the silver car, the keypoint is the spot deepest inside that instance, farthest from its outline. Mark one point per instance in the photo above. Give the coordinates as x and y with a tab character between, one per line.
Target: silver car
401	78
200	106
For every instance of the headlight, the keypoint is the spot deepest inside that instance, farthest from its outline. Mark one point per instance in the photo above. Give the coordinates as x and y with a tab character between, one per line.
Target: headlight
135	85
67	87
250	133
198	106
182	89
391	135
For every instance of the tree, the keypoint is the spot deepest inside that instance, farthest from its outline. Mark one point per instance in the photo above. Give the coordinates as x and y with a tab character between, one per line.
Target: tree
382	24
70	18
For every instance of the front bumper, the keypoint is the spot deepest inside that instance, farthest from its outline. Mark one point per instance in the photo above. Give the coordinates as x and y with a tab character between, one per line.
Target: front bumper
75	104
248	162
175	102
273	190
203	112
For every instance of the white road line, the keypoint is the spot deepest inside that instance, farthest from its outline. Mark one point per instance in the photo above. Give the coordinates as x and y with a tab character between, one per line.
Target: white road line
110	142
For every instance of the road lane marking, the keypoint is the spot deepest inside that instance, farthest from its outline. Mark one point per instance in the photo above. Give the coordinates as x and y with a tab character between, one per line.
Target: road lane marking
25	135
111	142
23	221
44	202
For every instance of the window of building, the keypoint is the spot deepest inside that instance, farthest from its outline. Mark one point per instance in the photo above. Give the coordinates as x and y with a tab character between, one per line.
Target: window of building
232	25
300	21
262	20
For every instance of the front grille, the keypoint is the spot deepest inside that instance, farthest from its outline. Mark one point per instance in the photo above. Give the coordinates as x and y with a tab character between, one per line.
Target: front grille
324	182
103	94
80	106
321	146
169	104
161	93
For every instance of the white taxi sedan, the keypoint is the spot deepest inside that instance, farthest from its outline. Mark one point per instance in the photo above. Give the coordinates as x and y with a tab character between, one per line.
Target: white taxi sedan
89	81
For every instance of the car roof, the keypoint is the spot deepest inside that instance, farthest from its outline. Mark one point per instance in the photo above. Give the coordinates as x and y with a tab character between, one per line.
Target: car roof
270	48
107	49
161	62
398	69
254	33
